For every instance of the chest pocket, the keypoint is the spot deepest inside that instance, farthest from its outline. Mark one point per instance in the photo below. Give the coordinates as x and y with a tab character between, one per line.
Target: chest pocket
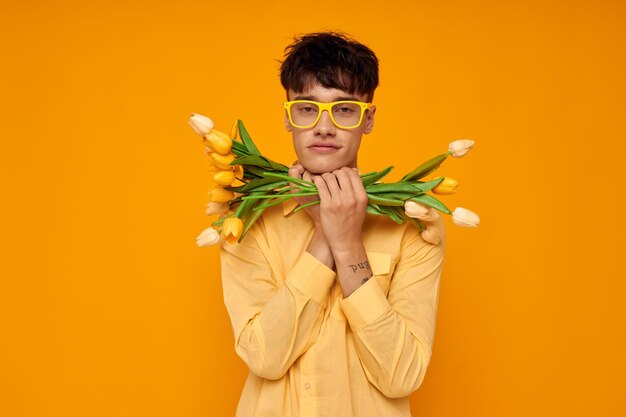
382	267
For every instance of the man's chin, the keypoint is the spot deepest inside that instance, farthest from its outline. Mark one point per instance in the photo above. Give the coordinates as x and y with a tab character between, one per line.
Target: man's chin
319	169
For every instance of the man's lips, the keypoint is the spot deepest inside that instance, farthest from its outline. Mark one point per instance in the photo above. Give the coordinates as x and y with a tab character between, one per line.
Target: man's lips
323	147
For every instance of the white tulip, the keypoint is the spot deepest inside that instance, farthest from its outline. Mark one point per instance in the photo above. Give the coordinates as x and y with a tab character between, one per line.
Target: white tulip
201	124
464	217
460	147
415	210
431	234
208	237
216	208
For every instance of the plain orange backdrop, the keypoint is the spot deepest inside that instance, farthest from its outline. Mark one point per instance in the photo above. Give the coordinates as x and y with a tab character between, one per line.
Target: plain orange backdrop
107	306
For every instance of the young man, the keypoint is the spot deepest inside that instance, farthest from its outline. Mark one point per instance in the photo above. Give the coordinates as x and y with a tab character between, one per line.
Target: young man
333	309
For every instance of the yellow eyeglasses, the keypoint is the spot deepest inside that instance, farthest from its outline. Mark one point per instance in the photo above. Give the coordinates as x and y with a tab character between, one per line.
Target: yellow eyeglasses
344	114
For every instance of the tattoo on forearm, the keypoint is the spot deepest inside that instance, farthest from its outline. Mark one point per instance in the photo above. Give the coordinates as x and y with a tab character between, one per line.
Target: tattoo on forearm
360	265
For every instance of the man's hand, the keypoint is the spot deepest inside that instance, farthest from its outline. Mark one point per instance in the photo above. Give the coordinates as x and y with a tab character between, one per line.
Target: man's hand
343	204
318	246
298	171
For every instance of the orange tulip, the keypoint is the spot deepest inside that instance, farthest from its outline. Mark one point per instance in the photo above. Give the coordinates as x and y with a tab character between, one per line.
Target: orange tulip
446	186
231	229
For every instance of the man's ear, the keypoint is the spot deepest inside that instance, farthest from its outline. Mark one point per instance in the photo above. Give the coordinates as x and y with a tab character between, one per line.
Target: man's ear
369	120
287	123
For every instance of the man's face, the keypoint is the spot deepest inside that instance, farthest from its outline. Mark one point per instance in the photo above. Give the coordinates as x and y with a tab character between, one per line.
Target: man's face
324	147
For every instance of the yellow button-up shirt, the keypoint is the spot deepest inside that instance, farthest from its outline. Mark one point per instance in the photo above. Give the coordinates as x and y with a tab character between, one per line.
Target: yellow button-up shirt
312	352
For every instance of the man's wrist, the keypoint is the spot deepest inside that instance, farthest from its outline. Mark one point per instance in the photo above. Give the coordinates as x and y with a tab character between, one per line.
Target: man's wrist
318	247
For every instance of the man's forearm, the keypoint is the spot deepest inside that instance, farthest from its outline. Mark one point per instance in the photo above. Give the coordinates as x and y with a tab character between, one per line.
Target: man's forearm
353	268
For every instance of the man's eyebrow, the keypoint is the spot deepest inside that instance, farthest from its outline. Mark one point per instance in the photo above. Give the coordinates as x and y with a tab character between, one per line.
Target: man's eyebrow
337	98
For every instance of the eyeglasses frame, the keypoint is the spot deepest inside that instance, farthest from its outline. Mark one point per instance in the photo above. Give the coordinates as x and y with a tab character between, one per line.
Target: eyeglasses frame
328	108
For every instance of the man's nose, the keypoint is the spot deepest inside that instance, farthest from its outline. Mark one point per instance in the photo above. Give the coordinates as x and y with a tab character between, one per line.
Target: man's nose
325	124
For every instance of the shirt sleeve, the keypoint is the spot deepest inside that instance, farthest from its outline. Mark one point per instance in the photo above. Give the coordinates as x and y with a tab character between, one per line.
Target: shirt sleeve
273	325
394	334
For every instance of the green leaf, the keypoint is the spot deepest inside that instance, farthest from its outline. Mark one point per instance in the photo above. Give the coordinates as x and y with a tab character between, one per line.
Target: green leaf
371	179
425	168
431	202
255	160
244	208
398	187
427	186
373	209
250	220
389	211
239	149
259	172
384	201
247	140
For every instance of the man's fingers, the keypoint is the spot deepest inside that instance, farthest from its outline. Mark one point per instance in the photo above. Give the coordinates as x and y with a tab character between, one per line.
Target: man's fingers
332	184
295	171
347	192
357	185
322	189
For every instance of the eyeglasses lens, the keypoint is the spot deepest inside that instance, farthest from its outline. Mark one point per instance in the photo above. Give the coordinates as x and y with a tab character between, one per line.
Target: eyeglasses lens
346	115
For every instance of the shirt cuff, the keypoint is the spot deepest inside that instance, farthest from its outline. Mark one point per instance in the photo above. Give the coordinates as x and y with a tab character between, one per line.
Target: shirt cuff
312	278
366	304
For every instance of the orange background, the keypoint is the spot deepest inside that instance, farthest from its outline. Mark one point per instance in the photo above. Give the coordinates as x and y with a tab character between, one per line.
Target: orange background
109	309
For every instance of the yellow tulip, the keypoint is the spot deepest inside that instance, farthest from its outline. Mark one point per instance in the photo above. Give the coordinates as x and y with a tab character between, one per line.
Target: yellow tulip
231	229
239	171
222	161
219	141
234	130
224	177
446	186
220	195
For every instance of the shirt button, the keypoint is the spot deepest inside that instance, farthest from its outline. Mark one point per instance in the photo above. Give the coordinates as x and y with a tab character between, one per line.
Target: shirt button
307	386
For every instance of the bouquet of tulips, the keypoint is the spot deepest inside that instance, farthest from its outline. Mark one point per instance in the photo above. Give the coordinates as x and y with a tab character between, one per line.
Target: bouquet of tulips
244	183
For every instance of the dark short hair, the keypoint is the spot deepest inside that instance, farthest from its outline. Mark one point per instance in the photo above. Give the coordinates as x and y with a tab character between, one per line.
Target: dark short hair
334	59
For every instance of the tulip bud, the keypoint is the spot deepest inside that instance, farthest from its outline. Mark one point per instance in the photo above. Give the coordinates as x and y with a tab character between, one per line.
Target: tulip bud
200	124
464	217
234	130
208	237
460	147
216	208
222	161
446	186
219	141
224	177
415	210
239	171
220	195
431	234
231	229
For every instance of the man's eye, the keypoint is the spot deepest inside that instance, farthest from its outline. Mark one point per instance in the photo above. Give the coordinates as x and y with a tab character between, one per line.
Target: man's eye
344	109
308	109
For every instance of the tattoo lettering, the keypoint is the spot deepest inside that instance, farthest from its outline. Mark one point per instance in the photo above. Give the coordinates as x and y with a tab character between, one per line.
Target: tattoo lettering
366	279
361	265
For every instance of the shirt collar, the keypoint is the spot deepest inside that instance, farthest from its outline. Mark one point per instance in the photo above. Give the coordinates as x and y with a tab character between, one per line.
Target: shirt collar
289	206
